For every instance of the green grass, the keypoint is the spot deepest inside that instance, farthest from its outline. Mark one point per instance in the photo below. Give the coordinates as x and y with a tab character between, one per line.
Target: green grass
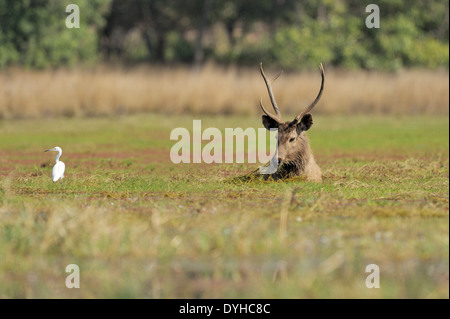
140	226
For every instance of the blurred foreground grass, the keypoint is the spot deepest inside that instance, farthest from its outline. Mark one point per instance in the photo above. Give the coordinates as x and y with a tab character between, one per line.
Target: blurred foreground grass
140	226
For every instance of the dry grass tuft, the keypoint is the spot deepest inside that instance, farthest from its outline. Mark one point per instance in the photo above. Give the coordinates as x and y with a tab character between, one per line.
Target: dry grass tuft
214	90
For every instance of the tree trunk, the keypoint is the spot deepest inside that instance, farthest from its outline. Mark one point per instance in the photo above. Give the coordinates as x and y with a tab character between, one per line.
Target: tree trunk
199	53
229	27
160	47
148	41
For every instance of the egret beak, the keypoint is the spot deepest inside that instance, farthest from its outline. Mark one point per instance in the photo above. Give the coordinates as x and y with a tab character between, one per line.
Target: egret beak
50	150
47	151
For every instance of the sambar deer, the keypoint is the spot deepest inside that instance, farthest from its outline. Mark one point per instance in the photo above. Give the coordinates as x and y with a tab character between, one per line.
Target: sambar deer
295	157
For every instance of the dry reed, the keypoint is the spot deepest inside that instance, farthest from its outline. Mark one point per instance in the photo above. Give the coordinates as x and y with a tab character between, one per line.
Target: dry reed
214	90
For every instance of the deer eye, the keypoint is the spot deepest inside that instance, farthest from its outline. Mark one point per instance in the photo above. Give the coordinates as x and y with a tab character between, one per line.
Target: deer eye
292	139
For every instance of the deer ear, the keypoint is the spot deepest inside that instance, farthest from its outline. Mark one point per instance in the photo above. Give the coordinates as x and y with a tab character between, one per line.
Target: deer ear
269	122
305	123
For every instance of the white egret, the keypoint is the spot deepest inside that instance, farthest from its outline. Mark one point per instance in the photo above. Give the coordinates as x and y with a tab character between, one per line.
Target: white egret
58	169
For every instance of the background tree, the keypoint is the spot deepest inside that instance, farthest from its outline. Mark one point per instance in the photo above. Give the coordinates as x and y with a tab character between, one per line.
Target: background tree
291	34
34	34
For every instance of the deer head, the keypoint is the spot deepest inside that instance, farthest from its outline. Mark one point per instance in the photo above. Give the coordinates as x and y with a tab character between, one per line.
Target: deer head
292	142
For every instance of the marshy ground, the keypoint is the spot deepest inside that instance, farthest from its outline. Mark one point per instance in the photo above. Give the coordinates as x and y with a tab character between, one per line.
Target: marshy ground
138	225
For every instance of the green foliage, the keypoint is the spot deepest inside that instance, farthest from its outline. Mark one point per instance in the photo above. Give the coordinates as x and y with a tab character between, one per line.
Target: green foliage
34	33
290	34
335	33
295	47
430	53
179	49
400	43
395	41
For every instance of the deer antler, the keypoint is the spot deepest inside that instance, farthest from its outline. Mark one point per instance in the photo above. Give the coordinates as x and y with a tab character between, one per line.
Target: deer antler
277	116
309	108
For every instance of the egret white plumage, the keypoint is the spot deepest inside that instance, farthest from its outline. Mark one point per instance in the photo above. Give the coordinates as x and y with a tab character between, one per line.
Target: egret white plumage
58	169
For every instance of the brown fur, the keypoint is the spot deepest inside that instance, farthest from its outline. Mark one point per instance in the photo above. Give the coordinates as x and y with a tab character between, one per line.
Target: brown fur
294	152
295	157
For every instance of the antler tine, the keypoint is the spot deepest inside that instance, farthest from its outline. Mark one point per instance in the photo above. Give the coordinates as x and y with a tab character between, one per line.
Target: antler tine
311	106
268	114
271	95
